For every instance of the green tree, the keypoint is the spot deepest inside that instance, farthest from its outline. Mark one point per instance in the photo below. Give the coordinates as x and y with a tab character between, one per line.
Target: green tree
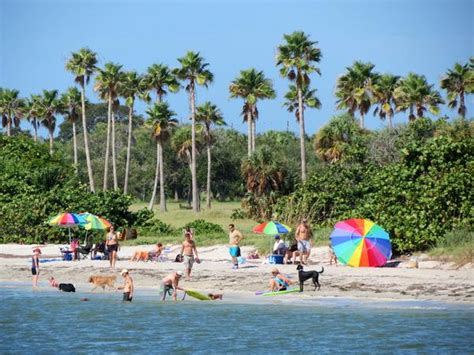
292	103
193	71
182	145
383	88
31	114
82	65
11	108
159	78
353	89
72	103
251	86
131	87
209	115
458	82
49	105
107	84
162	118
297	58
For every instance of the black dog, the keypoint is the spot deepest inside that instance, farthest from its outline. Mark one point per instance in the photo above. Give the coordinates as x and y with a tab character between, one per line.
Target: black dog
306	275
67	288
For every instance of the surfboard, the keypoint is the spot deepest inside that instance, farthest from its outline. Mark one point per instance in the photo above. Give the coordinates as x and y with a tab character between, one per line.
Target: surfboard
291	290
198	295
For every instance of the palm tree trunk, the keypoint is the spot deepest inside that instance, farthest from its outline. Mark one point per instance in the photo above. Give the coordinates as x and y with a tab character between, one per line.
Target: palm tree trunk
302	134
114	161
74	144
249	138
51	132
107	152
193	149
157	172
129	149
462	105
8	127
254	134
162	181
208	187
176	196
390	123
35	126
86	138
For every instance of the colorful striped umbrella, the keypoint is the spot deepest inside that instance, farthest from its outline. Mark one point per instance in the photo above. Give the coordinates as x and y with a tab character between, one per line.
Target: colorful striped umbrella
93	222
271	228
67	219
360	242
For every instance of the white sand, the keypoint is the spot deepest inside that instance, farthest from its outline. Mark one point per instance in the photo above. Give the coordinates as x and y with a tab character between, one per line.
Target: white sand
431	281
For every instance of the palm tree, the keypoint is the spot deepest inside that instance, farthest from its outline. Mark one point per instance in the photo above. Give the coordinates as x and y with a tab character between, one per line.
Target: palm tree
336	139
297	58
382	89
292	103
251	85
131	87
353	89
49	105
208	115
31	114
12	108
159	78
107	85
458	82
83	64
162	118
414	93
72	103
193	71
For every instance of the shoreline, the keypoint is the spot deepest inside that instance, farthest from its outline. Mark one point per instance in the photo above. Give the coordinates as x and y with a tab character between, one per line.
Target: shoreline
215	275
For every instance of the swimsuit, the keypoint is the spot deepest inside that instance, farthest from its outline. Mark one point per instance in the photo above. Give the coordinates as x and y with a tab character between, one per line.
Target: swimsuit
34	271
188	261
234	251
111	248
304	246
126	297
283	284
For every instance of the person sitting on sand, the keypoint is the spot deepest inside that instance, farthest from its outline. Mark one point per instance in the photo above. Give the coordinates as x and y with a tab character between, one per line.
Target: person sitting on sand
291	254
279	282
279	248
127	286
156	253
171	282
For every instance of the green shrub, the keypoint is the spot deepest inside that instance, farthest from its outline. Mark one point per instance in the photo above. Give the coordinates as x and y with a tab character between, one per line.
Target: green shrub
200	226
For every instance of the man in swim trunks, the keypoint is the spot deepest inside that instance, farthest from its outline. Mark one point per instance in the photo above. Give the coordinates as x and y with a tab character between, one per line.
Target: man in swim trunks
235	237
304	236
171	282
188	249
127	286
279	282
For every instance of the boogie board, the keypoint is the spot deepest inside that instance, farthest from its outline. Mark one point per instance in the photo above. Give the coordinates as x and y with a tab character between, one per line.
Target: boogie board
198	295
276	293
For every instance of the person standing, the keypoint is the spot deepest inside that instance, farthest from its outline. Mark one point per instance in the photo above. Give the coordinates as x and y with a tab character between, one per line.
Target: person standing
112	246
35	267
127	286
188	250
304	236
235	237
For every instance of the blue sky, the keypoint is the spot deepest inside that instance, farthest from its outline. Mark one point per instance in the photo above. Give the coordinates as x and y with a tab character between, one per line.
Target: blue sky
426	37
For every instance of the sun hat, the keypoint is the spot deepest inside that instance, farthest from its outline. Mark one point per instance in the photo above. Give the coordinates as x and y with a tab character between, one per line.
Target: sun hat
180	273
124	271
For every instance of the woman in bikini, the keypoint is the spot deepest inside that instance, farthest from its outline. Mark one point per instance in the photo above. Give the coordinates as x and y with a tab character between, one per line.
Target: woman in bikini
112	246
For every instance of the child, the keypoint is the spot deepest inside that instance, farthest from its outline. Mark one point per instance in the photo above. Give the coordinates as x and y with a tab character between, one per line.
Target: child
35	267
332	255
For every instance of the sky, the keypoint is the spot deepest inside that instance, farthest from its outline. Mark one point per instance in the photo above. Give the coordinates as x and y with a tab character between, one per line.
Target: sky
422	36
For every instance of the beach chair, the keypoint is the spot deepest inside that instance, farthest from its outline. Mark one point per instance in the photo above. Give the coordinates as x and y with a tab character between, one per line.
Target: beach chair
84	250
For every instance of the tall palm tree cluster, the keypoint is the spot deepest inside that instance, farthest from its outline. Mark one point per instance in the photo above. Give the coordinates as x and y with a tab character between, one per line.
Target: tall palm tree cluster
357	90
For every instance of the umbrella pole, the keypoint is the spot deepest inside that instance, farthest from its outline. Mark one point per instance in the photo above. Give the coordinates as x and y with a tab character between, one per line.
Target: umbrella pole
69	230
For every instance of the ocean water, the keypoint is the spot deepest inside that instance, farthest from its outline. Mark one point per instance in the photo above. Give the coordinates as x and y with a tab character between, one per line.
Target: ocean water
49	321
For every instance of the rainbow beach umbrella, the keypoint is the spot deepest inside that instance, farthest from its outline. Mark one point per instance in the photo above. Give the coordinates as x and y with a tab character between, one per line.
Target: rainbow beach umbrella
360	242
93	222
68	220
271	228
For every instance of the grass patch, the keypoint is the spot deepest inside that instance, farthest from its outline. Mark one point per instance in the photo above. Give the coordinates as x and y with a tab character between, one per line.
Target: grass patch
456	246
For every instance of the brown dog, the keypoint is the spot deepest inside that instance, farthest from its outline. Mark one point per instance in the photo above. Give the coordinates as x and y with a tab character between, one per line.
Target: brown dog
102	281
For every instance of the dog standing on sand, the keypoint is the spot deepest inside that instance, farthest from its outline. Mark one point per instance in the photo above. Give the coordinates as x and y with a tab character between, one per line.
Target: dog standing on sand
306	275
102	281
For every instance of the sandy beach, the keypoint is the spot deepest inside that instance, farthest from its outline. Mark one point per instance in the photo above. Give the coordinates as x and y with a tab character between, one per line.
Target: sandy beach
430	281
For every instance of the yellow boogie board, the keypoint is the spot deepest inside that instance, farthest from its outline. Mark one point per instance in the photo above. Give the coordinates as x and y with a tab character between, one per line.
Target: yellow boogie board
276	293
198	295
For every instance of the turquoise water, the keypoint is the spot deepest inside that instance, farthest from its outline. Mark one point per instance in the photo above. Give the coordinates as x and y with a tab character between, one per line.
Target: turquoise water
50	321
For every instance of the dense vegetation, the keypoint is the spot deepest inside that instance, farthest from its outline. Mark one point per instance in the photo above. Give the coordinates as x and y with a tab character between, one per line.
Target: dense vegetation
413	179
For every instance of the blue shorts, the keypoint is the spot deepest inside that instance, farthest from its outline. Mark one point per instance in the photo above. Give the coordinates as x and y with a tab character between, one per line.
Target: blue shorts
234	251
